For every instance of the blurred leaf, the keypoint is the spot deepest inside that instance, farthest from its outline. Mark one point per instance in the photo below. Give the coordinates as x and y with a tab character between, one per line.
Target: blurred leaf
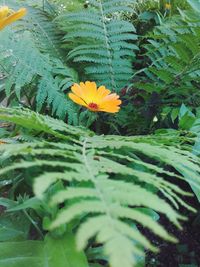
147	15
33	203
186	118
6	202
22	254
184	110
186	122
154	215
195	4
174	114
62	252
50	252
13	227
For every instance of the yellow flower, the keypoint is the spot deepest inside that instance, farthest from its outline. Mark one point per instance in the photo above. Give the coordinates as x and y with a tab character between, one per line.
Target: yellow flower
8	16
2	142
168	6
95	99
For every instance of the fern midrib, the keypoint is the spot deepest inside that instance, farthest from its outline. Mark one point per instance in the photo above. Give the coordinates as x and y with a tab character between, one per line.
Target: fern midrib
107	45
93	179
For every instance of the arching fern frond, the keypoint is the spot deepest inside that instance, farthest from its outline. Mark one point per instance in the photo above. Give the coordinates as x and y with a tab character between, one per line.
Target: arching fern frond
109	62
46	35
24	64
107	180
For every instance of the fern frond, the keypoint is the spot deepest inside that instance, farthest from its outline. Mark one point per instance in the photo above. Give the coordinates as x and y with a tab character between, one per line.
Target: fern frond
105	181
174	53
45	33
25	64
114	37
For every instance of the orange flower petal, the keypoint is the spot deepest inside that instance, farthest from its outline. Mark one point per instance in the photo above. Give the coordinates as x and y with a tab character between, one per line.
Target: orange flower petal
12	18
110	109
91	92
86	91
77	99
110	104
77	90
110	97
102	92
4	11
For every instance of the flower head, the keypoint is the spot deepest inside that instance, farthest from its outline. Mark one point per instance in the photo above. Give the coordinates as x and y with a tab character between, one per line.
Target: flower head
168	6
8	16
95	99
2	142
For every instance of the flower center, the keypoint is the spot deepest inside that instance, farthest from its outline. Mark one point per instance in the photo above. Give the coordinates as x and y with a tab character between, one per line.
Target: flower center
93	106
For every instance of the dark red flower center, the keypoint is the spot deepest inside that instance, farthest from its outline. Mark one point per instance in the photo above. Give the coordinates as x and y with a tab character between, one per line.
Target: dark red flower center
93	106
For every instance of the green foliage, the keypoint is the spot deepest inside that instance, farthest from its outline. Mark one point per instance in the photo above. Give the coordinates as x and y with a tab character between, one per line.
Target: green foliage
63	5
195	4
105	179
31	60
173	53
64	188
46	35
13	227
187	120
101	41
51	252
158	6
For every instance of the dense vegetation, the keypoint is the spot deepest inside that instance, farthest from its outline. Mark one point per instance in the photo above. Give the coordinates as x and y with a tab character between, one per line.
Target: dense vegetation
99	133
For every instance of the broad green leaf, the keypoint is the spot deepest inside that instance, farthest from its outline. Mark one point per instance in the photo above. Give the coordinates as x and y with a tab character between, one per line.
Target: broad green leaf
6	202
48	253
33	203
184	110
63	253
195	4
174	114
13	227
186	118
22	254
186	122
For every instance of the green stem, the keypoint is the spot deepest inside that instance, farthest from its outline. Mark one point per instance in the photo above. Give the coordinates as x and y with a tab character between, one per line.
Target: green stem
97	126
91	119
33	223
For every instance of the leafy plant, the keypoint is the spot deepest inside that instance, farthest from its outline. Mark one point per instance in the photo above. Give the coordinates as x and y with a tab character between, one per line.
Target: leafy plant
195	4
63	5
50	252
106	181
98	39
116	198
33	66
173	53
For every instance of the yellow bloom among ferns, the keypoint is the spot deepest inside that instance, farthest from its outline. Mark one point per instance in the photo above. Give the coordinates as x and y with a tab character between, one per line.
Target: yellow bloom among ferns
168	6
2	142
95	99
8	16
